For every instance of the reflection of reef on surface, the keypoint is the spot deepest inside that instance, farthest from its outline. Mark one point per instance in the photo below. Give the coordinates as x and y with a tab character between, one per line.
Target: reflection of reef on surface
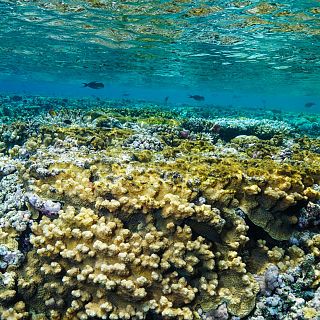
133	211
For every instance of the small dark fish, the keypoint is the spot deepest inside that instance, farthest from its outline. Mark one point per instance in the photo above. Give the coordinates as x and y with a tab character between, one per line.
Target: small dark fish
309	104
94	85
166	100
67	121
197	97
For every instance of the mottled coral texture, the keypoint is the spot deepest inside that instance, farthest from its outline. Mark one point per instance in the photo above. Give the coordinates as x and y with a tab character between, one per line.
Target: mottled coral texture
97	227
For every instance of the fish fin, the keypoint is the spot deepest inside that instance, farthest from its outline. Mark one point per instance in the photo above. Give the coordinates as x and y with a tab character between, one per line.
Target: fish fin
85	84
190	96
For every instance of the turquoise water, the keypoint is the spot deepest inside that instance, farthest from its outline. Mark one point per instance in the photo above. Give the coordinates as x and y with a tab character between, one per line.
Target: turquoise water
265	52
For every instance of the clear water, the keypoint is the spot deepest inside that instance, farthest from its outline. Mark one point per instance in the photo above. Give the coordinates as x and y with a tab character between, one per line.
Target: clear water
232	52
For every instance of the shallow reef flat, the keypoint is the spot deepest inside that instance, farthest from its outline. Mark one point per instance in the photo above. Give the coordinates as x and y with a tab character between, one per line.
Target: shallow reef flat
133	210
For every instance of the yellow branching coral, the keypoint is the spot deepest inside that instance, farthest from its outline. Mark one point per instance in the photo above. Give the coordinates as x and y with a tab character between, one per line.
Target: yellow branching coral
7	286
314	245
265	191
94	267
17	312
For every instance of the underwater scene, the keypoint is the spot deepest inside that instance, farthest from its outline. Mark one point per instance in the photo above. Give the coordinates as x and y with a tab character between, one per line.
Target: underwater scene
159	159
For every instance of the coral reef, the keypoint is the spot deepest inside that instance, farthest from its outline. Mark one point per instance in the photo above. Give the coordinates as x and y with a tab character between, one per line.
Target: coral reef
138	212
309	216
12	206
291	294
229	128
9	257
47	208
144	142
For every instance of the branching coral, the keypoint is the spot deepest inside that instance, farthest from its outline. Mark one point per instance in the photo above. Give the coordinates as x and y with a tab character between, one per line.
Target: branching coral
94	267
264	190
